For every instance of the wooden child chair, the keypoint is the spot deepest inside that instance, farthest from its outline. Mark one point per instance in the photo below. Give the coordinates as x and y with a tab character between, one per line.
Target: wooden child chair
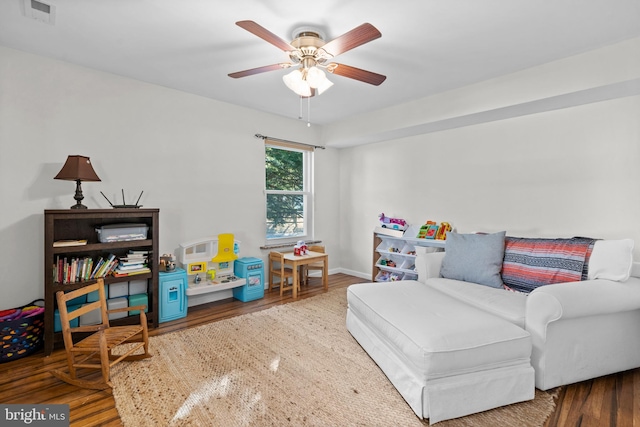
316	266
94	351
278	267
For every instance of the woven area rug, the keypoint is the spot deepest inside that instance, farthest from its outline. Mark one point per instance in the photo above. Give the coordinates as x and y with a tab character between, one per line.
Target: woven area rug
294	364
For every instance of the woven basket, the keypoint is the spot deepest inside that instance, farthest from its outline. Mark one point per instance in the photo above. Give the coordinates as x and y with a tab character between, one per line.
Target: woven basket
22	336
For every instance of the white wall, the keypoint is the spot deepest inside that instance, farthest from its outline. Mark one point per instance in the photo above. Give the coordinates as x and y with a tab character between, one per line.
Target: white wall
196	159
492	159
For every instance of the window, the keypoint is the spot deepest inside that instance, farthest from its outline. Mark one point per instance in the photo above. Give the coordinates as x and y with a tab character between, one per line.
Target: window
288	191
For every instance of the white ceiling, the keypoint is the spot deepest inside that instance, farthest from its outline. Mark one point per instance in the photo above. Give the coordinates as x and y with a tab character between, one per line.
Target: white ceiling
427	46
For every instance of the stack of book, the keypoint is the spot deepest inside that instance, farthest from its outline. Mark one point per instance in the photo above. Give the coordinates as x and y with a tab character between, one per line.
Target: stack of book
135	262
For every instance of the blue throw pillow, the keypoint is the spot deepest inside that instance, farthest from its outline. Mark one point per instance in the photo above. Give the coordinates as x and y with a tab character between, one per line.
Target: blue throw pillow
474	258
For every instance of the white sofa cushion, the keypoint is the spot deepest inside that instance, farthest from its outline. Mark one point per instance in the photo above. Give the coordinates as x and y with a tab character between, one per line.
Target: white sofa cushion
434	334
611	260
510	306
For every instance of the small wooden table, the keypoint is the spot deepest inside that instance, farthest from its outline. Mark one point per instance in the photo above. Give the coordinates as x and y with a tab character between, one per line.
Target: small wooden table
299	260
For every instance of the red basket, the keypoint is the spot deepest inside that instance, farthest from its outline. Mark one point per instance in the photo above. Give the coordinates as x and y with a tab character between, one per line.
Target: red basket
22	335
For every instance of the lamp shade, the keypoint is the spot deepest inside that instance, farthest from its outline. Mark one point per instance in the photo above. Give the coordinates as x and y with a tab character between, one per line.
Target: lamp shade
77	168
296	82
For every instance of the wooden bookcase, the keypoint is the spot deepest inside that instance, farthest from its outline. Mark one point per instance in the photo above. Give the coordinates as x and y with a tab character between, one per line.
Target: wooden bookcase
76	224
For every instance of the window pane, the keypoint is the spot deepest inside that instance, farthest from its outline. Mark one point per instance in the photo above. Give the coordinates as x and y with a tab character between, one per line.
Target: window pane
285	215
284	169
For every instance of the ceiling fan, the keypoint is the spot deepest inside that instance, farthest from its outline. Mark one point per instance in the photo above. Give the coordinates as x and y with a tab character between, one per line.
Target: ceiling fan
310	54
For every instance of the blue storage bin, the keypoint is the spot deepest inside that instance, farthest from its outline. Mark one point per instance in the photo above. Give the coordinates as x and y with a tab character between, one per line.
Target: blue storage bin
77	301
139	299
57	326
94	296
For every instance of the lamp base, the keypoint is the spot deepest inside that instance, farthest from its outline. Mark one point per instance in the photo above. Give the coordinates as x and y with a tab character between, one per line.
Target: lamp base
78	196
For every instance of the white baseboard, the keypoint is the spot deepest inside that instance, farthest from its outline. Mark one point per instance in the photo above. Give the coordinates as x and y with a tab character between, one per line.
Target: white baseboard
366	276
343	271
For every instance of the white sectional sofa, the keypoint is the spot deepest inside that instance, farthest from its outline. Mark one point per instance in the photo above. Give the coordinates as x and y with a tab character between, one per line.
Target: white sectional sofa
453	347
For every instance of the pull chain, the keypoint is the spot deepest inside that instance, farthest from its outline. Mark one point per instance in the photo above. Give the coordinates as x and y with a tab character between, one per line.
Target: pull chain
300	113
309	112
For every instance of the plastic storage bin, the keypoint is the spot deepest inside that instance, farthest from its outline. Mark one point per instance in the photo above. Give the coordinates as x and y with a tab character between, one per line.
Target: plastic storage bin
117	303
120	289
122	232
137	287
94	296
138	299
77	301
57	326
91	318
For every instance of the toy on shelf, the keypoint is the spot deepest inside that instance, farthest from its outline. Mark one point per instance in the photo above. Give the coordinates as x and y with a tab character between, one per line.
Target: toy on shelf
426	230
442	231
167	262
387	276
431	230
393	223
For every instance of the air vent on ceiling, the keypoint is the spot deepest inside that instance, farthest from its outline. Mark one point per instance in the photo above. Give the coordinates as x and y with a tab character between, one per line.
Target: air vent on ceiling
39	11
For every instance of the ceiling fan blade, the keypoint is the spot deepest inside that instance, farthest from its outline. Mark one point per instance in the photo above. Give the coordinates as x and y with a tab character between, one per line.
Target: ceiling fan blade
352	39
259	70
357	74
265	34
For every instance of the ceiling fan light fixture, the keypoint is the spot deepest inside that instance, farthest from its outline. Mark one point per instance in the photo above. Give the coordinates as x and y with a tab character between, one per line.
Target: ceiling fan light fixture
315	77
303	80
326	84
294	81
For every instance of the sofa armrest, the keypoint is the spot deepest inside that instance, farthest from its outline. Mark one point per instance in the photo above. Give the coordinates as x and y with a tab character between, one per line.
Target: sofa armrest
550	303
428	263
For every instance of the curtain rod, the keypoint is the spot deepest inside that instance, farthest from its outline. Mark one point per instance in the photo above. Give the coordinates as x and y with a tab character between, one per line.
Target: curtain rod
287	141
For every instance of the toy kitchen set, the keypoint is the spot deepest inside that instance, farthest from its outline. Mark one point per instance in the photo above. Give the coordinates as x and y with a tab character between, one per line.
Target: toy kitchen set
212	266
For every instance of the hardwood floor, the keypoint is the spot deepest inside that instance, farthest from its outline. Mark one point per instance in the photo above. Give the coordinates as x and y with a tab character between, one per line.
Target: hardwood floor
613	400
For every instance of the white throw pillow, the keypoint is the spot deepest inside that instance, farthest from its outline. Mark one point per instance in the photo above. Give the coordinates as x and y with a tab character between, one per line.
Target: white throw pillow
611	259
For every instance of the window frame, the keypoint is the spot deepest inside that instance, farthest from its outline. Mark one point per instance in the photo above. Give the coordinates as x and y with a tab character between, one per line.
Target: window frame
307	191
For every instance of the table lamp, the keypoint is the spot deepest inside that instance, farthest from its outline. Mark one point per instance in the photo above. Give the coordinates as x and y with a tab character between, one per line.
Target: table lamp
77	168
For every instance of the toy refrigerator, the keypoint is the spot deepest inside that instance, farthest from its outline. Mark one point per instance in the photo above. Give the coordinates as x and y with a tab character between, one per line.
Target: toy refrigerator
173	298
251	269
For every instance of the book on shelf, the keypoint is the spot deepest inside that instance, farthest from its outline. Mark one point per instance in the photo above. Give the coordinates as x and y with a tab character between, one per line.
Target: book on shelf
133	253
135	256
71	270
124	262
131	267
108	265
79	269
71	242
124	273
97	266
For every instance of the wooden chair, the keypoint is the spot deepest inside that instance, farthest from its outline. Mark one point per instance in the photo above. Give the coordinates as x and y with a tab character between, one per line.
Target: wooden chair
94	351
278	267
316	266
